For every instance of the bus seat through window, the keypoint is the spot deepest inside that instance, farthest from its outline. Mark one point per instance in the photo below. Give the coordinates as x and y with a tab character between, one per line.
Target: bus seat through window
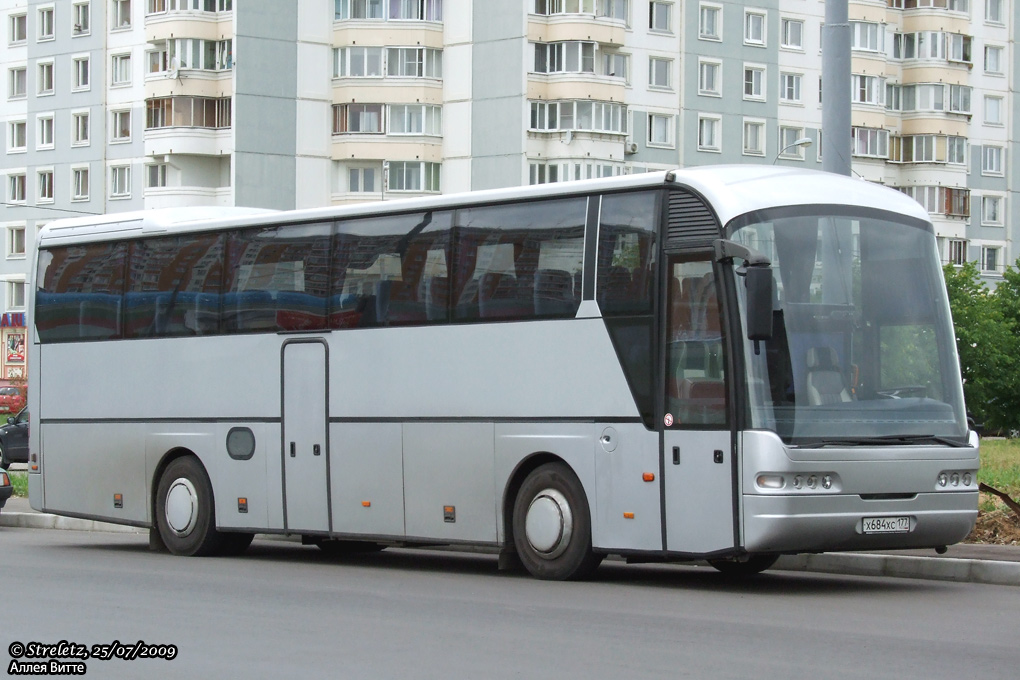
824	379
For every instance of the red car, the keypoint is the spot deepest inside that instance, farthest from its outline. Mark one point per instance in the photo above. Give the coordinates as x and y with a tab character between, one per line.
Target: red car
11	400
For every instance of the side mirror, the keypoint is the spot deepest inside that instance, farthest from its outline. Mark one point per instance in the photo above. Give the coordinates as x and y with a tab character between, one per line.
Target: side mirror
760	286
11	420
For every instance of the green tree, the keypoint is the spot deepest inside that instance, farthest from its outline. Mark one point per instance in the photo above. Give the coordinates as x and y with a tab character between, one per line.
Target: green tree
986	326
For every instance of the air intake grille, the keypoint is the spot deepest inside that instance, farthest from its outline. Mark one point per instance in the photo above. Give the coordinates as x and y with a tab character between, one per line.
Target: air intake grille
689	222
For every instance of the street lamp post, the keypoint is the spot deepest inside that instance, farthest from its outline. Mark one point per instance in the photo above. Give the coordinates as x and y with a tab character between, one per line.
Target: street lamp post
803	141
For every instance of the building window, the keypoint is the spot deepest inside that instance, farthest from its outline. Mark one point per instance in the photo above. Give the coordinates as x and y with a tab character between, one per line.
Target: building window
791	34
957	252
46	23
17	136
158	60
708	134
45	84
16	242
80	14
120	181
358	62
44	128
81	73
660	130
15	294
754	28
993	60
198	54
120	129
358	9
616	65
993	110
413	176
155	175
868	89
45	182
710	78
991	210
16	188
357	119
993	11
958	47
613	9
18	82
565	57
870	142
990	259
710	22
867	36
991	160
660	72
80	184
754	82
120	70
80	128
578	115
956	150
788	137
194	112
959	98
754	138
414	62
660	16
17	29
789	87
120	14
362	180
415	119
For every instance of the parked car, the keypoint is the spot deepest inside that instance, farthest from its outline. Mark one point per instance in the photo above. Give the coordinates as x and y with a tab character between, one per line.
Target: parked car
14	440
5	487
11	399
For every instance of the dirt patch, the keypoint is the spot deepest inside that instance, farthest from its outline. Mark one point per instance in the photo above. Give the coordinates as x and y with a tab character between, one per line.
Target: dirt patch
1000	526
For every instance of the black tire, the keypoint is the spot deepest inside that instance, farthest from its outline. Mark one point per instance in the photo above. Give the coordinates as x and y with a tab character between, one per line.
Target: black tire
755	564
4	463
338	548
189	528
556	546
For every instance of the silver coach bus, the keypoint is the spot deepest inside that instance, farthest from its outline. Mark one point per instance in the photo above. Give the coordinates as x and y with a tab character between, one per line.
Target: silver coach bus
723	364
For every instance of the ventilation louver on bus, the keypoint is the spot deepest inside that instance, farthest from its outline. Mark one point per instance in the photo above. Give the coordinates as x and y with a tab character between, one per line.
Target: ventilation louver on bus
690	223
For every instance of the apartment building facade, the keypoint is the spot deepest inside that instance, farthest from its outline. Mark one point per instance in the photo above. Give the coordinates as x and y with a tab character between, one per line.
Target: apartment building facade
115	105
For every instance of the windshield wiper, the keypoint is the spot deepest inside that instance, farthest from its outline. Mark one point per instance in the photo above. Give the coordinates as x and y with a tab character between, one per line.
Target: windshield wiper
884	440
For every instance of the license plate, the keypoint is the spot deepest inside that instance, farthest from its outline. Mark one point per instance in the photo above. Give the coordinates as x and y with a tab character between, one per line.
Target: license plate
886	525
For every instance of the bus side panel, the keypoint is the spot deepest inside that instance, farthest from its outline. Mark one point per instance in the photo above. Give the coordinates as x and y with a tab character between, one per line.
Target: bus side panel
448	488
572	442
88	464
629	510
367	478
233	478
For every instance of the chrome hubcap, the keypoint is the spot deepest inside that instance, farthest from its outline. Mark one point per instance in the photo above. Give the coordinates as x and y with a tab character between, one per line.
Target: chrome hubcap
181	507
549	523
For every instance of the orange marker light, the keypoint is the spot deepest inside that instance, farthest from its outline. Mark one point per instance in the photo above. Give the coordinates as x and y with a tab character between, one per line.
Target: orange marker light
366	504
628	515
648	476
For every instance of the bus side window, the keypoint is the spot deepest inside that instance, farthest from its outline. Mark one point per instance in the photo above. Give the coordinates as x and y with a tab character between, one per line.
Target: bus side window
80	294
626	253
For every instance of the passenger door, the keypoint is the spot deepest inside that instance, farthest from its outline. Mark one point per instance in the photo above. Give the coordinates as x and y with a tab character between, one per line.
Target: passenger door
305	437
699	466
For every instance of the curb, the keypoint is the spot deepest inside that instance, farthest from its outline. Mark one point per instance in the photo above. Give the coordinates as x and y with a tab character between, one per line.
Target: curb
989	572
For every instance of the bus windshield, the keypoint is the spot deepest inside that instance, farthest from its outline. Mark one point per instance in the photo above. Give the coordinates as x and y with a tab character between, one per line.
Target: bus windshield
863	349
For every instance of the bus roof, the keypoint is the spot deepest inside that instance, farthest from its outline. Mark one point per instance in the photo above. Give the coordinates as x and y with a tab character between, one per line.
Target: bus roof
732	190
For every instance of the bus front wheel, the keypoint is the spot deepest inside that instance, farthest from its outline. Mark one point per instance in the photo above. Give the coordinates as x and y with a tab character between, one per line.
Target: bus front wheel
185	514
552	525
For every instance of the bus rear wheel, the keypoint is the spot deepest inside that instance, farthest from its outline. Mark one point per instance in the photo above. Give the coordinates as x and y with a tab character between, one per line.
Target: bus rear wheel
185	514
552	525
755	564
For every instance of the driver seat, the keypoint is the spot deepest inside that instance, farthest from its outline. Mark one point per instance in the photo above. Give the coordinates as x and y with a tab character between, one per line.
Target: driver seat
824	379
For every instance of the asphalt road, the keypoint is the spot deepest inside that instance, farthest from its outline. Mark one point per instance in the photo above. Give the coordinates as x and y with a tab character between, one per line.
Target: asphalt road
284	610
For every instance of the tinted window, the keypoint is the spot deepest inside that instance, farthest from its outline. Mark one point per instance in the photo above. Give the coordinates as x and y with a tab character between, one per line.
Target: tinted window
277	279
391	270
79	297
519	261
626	258
174	286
